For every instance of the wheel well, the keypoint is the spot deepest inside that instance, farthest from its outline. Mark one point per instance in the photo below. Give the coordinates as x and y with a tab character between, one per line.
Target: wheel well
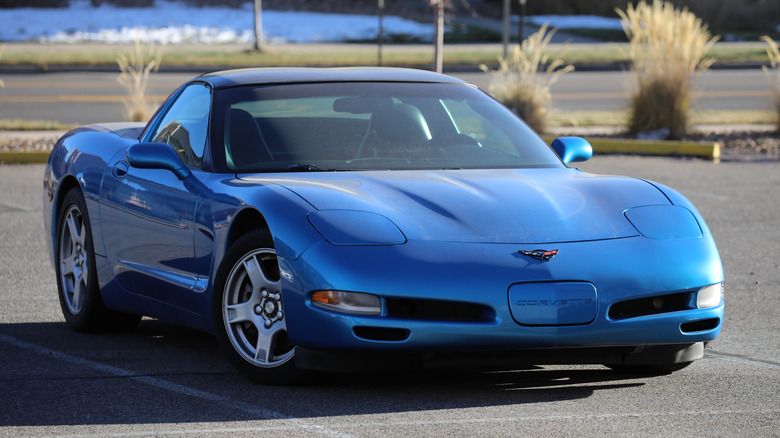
247	220
66	184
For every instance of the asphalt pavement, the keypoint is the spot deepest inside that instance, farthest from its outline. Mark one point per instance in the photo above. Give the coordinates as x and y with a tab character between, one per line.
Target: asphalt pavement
88	96
163	380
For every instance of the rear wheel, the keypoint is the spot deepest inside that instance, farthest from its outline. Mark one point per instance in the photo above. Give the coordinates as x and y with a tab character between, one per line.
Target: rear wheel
77	281
248	312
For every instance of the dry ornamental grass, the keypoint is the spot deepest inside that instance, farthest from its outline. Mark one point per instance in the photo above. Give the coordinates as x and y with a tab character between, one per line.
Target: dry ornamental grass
2	49
522	81
136	66
773	53
666	47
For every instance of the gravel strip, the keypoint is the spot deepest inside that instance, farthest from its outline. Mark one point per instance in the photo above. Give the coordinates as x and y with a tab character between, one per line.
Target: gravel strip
737	144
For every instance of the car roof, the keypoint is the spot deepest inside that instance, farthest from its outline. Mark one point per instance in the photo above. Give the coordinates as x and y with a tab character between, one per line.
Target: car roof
256	76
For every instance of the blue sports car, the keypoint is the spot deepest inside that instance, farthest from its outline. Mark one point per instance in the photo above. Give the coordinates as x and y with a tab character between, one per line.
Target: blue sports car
363	219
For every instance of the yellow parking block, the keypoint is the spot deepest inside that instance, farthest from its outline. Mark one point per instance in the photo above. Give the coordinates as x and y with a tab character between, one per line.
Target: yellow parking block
23	157
706	150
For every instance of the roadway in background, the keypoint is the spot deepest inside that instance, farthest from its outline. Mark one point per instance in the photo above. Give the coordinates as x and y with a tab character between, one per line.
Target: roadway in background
88	97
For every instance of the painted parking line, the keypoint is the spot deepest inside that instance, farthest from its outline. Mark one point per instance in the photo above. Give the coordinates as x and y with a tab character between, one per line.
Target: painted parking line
255	411
294	425
73	98
556	96
557	418
626	94
742	360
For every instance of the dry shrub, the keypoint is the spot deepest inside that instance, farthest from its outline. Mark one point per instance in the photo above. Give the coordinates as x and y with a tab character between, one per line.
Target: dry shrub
522	81
773	53
666	46
135	67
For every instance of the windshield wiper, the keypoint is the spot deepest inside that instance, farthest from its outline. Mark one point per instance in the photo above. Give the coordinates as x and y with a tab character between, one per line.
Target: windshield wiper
307	168
303	167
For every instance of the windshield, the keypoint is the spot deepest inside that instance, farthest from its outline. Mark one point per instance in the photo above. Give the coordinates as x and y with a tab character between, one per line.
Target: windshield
368	126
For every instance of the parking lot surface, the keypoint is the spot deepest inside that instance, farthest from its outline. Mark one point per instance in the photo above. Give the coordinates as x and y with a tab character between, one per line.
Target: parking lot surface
164	380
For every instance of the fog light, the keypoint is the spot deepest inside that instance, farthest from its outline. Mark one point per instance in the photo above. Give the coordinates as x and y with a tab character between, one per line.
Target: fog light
709	296
357	303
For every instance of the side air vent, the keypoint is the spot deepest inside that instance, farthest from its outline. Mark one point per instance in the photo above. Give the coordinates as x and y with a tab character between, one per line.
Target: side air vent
381	333
652	305
699	326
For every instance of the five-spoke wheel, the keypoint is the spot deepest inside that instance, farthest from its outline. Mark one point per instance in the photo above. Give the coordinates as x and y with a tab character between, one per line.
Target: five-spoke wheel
73	263
250	314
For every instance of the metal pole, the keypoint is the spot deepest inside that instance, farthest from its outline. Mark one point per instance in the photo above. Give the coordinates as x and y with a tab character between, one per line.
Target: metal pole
507	17
381	5
438	55
258	25
521	37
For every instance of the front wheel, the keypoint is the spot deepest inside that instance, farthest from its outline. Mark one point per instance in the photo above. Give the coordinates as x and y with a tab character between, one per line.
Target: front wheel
248	312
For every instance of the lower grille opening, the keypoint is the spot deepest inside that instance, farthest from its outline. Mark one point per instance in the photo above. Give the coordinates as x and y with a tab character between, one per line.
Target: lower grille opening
653	305
699	326
438	310
381	333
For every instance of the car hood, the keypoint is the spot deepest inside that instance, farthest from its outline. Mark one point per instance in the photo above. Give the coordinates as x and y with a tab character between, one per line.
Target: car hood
485	206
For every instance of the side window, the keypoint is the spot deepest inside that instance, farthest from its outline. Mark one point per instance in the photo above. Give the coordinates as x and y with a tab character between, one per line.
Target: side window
185	125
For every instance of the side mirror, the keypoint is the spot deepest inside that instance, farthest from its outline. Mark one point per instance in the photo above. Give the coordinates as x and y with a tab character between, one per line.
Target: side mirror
156	156
572	149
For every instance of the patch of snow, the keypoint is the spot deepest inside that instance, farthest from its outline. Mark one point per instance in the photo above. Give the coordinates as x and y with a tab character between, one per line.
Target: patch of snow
172	23
576	21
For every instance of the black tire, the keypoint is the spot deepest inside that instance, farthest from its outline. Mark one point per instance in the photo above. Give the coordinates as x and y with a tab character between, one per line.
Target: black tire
649	370
248	314
77	281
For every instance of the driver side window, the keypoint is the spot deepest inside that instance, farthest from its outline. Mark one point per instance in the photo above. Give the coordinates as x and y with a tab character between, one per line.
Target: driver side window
185	125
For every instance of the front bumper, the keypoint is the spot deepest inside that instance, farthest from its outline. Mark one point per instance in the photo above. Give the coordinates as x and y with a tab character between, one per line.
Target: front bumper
481	276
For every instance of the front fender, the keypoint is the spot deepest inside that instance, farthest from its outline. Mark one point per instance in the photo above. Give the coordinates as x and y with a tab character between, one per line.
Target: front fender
78	159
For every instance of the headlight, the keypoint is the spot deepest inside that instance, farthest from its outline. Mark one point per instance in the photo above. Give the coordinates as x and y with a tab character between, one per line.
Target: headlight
709	296
664	222
356	303
351	227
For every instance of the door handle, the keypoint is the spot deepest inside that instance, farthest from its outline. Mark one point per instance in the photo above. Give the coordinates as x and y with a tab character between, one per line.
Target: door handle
120	169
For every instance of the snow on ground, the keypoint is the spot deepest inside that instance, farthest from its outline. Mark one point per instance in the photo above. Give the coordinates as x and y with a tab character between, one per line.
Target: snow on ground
173	23
576	21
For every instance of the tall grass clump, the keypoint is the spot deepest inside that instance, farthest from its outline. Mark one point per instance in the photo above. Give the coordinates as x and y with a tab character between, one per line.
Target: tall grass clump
774	60
666	47
523	80
135	67
2	49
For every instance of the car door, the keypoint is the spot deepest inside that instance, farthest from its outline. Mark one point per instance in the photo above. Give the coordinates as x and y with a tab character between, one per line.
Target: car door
147	215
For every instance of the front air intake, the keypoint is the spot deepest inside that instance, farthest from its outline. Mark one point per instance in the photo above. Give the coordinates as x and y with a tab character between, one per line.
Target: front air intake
438	310
652	305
